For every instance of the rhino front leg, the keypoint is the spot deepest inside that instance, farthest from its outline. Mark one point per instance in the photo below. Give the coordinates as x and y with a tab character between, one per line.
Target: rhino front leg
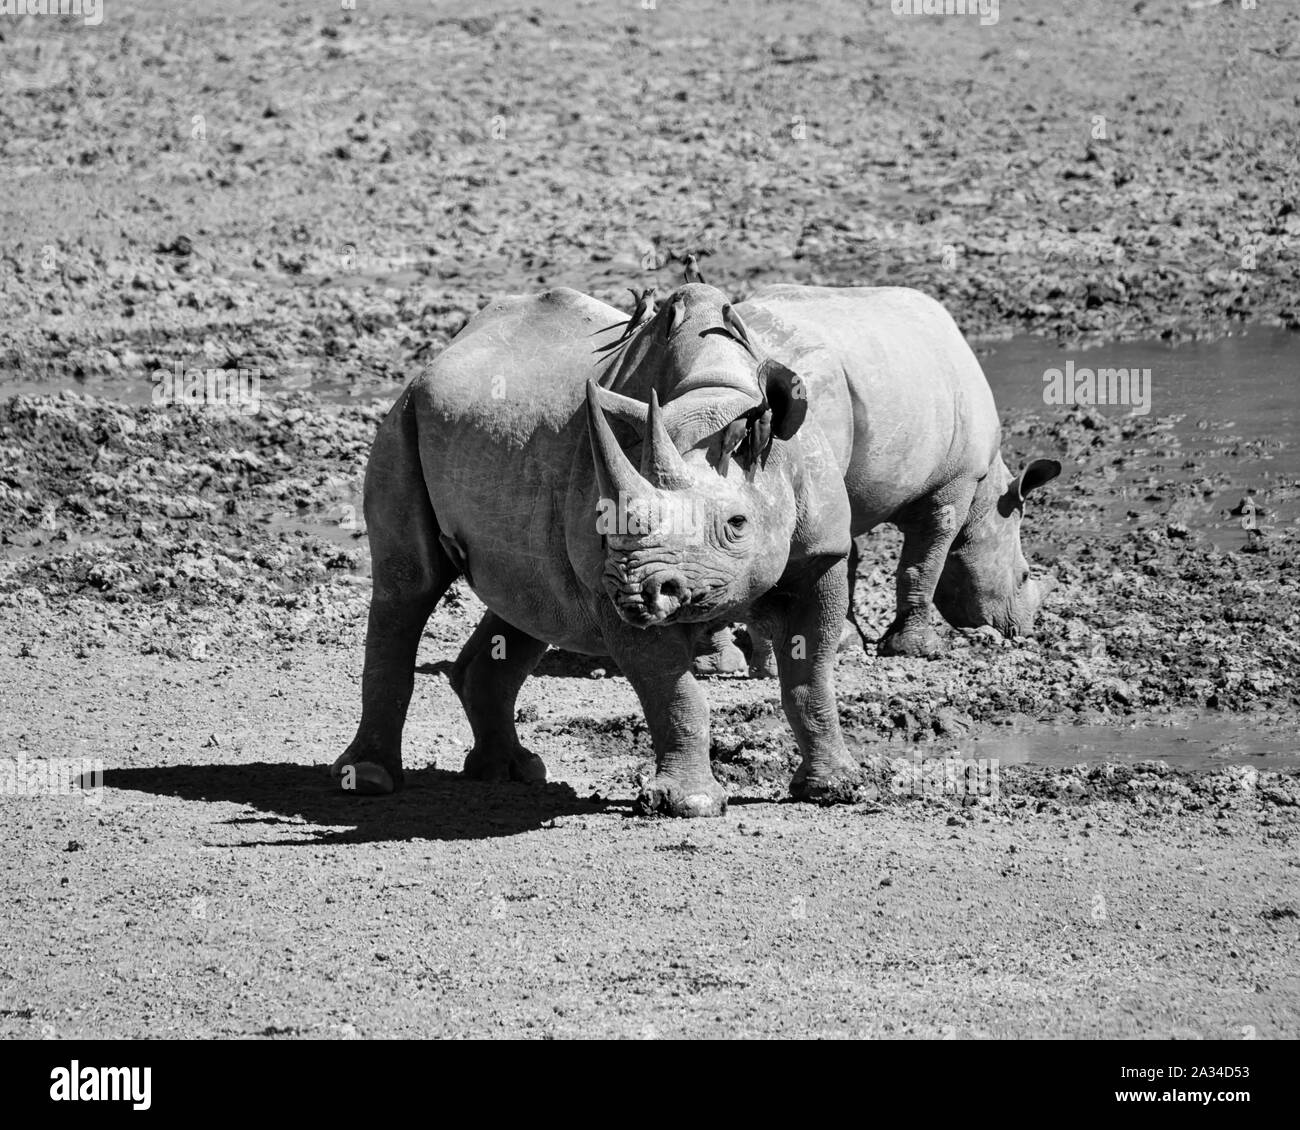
657	662
486	677
808	622
929	527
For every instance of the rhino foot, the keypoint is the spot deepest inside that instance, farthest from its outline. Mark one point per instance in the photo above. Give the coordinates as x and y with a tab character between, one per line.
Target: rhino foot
762	663
670	796
727	660
851	637
765	670
843	785
918	643
518	764
361	776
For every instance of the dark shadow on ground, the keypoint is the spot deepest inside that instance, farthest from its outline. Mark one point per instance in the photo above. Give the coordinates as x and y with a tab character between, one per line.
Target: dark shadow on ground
434	805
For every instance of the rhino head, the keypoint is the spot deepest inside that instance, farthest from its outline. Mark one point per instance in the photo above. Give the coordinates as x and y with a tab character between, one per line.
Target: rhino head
986	579
701	524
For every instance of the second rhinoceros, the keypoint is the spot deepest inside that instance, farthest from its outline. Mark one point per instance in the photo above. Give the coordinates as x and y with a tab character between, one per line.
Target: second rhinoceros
906	409
611	505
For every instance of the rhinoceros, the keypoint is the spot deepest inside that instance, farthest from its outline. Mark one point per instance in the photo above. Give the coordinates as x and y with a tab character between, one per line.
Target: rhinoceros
905	406
611	503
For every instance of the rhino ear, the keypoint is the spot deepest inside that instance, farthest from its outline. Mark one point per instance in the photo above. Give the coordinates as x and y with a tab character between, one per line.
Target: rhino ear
1038	473
788	396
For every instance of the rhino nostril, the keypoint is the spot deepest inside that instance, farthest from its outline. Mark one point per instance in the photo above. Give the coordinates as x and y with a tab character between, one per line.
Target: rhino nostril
664	596
674	590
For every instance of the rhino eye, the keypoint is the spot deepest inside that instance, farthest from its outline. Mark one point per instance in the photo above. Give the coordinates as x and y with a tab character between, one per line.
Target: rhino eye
736	526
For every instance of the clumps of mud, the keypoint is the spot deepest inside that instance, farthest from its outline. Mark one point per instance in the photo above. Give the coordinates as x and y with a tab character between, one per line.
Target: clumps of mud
292	253
753	753
198	535
626	736
169	524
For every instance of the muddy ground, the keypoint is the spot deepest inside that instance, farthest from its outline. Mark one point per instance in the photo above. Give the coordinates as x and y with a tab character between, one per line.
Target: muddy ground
324	197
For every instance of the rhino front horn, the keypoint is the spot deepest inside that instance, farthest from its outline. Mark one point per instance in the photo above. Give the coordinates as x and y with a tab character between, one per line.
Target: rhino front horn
615	474
661	463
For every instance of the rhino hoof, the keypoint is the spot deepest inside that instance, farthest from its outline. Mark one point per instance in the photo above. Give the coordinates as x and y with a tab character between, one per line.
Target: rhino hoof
845	786
664	796
518	765
729	660
366	778
916	644
358	773
850	638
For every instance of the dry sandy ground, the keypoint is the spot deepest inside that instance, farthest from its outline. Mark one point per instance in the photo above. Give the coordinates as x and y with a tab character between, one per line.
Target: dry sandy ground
221	887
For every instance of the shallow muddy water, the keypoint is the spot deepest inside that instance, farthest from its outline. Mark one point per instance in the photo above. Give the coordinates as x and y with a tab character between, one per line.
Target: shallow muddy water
1198	743
1235	410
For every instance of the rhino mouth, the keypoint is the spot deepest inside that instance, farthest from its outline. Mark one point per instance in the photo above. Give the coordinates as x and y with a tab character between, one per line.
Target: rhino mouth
655	603
639	616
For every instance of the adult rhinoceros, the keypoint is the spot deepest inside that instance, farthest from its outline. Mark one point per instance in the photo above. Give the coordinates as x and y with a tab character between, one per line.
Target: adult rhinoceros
612	506
904	405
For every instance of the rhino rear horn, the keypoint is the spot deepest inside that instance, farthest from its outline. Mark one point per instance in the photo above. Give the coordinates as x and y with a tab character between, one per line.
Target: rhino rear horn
661	463
615	474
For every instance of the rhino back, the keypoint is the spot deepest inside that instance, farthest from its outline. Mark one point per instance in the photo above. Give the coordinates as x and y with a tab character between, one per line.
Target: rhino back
500	417
893	384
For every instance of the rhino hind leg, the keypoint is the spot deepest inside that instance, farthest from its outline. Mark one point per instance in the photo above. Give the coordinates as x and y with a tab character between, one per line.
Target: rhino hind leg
718	654
929	527
762	659
486	677
410	573
372	763
855	624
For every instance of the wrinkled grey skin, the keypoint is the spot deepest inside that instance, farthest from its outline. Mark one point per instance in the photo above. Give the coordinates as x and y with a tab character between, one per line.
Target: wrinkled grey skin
493	465
908	412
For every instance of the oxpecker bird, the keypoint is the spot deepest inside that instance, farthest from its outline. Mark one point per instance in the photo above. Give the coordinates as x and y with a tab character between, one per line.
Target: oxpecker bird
644	308
691	267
